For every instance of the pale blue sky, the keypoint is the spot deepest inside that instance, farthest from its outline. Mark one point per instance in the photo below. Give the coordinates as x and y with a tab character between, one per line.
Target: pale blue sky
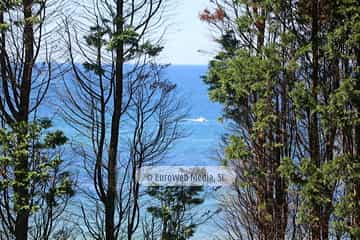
187	35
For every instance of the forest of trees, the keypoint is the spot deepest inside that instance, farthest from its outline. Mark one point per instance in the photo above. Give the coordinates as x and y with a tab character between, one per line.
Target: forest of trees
287	75
288	78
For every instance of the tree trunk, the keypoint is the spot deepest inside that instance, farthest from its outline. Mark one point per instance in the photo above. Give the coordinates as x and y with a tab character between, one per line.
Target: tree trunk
115	129
356	215
313	118
21	168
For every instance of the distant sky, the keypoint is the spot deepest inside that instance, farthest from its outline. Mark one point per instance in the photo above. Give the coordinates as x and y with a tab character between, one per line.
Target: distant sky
187	40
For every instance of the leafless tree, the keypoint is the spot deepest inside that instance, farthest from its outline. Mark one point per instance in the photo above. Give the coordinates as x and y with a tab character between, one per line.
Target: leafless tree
152	126
127	112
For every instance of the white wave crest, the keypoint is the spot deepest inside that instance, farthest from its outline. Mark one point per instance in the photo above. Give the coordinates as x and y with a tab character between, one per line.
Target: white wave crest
198	120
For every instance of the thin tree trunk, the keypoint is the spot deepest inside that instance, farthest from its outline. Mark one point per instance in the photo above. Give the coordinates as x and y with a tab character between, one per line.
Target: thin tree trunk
115	129
21	168
313	118
356	215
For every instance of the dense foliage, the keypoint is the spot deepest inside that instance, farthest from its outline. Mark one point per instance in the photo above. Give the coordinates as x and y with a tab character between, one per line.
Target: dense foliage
288	78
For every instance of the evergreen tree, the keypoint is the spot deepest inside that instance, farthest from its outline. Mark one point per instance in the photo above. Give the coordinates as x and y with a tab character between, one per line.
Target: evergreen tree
24	39
288	78
50	185
175	210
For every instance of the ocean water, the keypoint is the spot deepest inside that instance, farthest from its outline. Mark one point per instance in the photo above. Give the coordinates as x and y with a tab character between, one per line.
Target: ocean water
199	148
201	126
203	129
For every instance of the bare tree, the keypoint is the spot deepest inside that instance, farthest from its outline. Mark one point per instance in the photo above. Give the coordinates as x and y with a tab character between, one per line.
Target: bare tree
108	94
155	114
152	126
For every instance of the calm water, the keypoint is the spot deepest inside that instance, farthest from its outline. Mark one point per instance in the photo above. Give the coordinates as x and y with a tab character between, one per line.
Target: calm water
205	130
199	148
202	125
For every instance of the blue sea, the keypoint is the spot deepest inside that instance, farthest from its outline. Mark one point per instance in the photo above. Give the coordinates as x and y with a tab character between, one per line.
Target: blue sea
204	130
199	148
202	123
201	126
